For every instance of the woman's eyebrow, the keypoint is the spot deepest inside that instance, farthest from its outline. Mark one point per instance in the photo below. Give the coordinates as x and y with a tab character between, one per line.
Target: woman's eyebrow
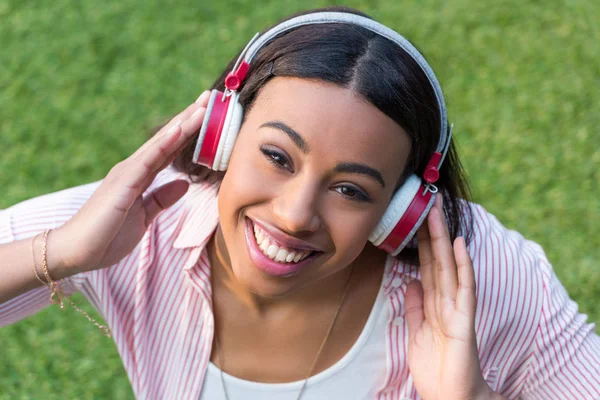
347	167
354	168
295	136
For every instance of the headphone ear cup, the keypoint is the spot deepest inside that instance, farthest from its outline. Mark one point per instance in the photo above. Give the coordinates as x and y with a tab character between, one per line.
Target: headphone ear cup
209	135
403	217
231	128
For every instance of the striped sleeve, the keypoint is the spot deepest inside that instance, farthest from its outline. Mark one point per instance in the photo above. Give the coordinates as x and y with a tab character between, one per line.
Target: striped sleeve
566	353
27	219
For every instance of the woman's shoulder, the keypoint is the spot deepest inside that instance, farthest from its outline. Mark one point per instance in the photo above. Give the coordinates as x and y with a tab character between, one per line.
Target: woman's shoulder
496	246
510	275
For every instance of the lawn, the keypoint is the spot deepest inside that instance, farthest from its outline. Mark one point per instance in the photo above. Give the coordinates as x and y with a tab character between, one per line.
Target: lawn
81	83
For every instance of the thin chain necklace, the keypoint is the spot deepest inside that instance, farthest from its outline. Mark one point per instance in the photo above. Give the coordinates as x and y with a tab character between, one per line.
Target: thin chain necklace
222	361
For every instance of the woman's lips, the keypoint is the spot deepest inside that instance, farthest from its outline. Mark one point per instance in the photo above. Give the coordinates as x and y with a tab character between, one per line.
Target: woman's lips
283	239
265	264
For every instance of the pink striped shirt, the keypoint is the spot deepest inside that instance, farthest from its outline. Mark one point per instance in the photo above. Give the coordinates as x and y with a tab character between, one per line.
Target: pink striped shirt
533	343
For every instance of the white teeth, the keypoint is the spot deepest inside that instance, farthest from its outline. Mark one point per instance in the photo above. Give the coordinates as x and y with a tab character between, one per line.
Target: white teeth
281	255
274	252
264	245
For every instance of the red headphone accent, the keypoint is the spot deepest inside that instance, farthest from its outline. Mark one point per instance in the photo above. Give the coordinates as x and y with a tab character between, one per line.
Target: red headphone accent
408	221
235	78
432	173
208	151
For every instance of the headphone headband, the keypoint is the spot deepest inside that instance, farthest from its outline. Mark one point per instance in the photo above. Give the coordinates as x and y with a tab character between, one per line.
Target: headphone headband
254	46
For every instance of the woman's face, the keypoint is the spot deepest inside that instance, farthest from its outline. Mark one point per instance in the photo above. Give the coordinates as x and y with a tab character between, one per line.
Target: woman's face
311	174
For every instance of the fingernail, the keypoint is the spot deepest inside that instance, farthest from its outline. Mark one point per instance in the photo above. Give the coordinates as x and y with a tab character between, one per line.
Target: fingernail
203	95
174	127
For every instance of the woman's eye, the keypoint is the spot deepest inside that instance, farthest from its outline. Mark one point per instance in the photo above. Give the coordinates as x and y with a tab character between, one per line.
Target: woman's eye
352	193
277	158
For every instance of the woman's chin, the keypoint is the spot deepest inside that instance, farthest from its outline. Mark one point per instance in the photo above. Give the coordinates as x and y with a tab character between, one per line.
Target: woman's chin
263	285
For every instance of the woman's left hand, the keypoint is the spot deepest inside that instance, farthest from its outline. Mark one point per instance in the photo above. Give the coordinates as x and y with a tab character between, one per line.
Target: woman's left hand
440	311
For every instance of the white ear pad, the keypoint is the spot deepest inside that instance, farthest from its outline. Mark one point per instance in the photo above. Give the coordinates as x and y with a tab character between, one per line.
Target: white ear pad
231	128
396	209
207	114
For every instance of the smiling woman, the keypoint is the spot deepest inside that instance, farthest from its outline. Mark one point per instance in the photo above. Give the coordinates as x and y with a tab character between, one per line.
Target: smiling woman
305	230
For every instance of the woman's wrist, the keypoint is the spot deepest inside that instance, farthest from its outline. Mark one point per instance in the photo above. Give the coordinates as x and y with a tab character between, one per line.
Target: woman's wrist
57	256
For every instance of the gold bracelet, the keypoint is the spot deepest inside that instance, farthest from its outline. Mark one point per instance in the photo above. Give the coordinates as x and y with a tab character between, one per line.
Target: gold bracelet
56	289
37	275
54	286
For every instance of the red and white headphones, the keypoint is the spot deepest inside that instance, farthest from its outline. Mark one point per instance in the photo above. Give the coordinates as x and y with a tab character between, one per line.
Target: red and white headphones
409	205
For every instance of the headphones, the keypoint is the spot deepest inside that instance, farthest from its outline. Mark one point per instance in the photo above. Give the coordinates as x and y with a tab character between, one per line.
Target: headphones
410	204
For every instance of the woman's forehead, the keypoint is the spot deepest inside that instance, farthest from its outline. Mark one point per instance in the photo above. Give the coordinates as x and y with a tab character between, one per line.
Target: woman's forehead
332	119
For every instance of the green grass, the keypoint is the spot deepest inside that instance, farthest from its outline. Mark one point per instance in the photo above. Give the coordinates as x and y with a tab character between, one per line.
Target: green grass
81	83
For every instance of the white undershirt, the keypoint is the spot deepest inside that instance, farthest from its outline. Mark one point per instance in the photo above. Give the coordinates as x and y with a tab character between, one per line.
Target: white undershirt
357	375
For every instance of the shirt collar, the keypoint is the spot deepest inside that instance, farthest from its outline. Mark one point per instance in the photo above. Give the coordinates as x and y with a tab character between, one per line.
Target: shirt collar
199	216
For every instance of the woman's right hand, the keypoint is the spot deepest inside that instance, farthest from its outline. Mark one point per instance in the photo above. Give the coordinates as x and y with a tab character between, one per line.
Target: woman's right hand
113	221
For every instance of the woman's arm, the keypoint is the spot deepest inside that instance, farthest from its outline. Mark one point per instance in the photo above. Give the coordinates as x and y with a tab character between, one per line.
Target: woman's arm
102	228
16	263
21	293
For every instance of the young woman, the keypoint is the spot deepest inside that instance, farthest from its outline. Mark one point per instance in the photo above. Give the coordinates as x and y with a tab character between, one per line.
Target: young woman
317	266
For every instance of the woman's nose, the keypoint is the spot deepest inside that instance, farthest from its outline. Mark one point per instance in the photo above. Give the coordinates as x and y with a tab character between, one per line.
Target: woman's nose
296	207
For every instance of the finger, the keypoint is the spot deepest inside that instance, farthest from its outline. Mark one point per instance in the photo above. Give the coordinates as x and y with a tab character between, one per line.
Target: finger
156	157
203	98
414	308
170	160
445	274
425	257
426	262
189	130
188	133
202	101
144	166
191	125
466	299
163	198
164	131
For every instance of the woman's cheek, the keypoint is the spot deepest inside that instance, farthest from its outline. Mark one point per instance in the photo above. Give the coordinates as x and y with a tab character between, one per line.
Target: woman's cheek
247	179
351	232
